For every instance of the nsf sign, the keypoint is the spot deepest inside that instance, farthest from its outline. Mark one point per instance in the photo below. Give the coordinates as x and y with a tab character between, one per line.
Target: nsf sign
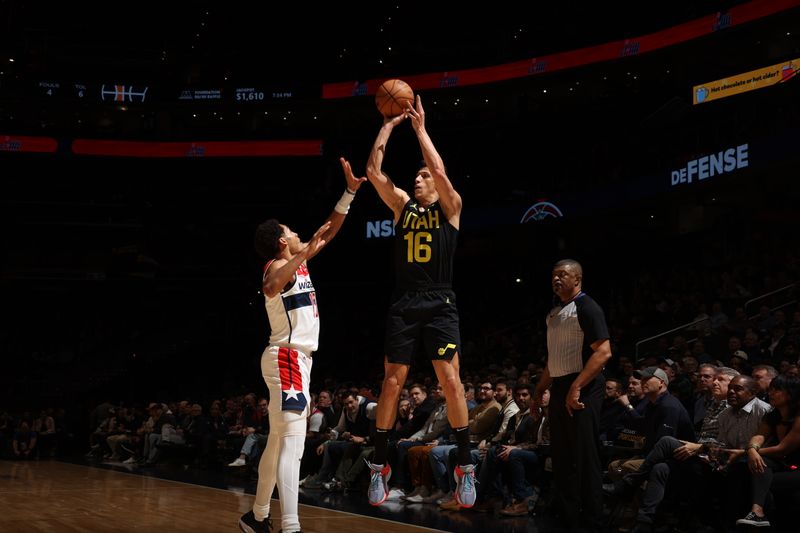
380	228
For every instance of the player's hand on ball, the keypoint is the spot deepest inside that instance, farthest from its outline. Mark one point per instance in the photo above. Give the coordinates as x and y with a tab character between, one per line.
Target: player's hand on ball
417	115
394	121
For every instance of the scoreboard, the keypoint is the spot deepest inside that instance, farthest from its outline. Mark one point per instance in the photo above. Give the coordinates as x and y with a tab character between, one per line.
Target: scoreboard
139	93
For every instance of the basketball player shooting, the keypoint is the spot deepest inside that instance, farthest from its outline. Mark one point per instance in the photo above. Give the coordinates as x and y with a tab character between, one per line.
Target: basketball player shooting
423	315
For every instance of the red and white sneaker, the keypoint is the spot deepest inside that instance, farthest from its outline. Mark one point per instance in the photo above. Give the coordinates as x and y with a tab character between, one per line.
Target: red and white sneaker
465	493
378	489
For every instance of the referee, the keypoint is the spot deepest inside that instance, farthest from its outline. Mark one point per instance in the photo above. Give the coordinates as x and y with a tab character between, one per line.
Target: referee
578	349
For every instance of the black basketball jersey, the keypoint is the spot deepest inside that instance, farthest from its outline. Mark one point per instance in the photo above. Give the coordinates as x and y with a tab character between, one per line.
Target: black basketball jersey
425	243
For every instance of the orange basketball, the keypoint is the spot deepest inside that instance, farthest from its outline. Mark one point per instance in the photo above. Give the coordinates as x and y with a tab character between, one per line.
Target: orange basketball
393	97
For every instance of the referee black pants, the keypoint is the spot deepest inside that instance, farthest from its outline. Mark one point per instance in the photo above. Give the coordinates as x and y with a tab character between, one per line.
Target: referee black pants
577	474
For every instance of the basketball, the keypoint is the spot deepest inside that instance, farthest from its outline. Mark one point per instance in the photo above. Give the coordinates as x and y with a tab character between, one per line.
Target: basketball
393	97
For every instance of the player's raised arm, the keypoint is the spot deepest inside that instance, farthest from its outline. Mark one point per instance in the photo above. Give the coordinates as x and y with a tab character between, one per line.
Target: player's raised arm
291	253
449	199
281	271
341	208
393	197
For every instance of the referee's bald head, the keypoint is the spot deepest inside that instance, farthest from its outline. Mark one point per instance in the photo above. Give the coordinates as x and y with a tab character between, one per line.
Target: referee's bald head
576	267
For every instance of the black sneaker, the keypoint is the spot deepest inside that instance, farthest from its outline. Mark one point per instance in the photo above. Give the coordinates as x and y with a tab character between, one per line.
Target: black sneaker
249	524
752	519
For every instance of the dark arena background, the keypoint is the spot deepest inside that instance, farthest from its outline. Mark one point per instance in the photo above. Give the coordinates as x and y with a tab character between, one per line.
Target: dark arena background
141	144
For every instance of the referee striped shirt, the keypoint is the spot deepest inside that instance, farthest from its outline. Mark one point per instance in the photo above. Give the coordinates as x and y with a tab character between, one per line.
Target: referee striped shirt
572	328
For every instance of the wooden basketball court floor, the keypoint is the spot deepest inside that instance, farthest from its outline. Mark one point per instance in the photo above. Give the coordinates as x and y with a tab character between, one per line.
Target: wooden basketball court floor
55	496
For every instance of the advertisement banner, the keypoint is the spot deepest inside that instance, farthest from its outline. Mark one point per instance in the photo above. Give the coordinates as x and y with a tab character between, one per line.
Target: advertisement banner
107	148
24	143
747	81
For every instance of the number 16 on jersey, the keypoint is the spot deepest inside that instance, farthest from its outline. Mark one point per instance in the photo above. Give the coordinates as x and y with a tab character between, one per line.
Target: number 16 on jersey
418	249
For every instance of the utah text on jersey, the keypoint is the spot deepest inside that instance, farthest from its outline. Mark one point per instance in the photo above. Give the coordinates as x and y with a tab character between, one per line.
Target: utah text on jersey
416	218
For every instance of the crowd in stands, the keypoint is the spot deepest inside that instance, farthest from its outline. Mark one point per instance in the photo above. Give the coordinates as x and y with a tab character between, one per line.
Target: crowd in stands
25	436
677	426
233	429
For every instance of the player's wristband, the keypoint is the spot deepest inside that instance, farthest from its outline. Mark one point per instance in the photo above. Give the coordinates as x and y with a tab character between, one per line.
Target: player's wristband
343	205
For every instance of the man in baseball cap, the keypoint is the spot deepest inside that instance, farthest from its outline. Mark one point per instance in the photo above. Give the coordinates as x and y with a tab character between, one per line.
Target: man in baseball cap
651	372
741	354
664	416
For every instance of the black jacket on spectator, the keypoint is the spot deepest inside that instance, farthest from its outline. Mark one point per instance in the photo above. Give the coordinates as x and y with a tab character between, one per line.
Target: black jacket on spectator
262	426
250	417
217	427
421	414
359	427
524	436
665	417
329	419
195	428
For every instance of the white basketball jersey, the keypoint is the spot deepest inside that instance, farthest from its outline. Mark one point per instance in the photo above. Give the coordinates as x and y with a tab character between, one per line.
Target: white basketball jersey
293	314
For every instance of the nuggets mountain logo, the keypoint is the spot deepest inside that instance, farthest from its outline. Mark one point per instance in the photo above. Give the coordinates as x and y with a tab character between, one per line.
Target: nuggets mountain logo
541	211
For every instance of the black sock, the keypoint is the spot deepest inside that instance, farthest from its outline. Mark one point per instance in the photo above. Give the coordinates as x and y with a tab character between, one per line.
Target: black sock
462	439
381	444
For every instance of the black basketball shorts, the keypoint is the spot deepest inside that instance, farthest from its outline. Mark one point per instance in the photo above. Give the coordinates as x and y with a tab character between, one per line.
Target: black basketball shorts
422	322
